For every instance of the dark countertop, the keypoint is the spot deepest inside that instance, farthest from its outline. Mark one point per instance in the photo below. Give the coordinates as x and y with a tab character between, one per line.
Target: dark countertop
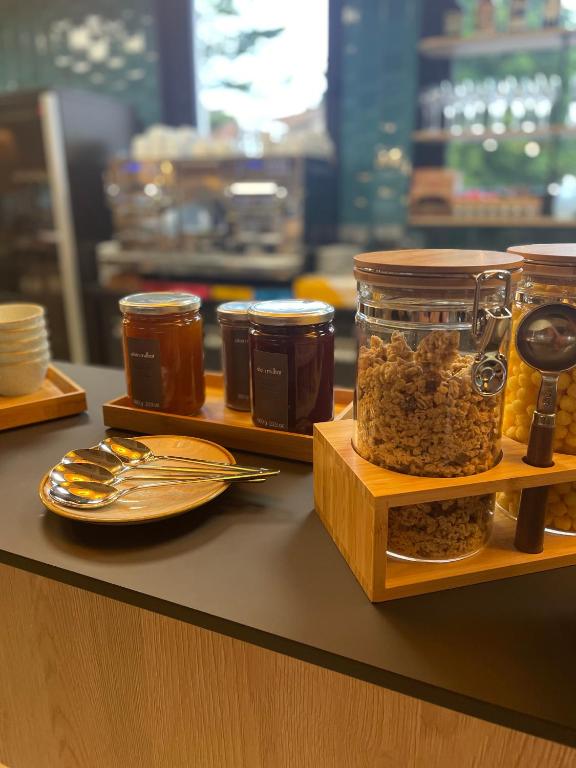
257	564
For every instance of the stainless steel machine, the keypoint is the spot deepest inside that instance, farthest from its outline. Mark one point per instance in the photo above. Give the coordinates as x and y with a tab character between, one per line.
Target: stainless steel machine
245	206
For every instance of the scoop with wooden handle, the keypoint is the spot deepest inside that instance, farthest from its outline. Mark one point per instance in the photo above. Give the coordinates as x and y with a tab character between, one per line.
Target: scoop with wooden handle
545	340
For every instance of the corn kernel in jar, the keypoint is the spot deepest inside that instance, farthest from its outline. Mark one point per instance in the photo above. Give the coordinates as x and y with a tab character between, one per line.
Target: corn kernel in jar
549	274
560	510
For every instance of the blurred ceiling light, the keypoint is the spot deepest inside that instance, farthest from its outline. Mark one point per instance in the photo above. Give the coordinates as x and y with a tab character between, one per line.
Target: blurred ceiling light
78	39
528	126
254	188
135	44
99	50
136	74
81	67
350	15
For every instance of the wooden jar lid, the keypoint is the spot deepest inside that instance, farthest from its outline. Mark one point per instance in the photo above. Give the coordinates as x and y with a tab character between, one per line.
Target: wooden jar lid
562	254
551	259
387	266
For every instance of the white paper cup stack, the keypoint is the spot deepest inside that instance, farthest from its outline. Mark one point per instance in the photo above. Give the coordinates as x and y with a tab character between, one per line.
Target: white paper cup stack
24	349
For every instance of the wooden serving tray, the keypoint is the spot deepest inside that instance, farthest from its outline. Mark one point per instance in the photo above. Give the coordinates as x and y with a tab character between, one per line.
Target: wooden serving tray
57	397
353	497
233	429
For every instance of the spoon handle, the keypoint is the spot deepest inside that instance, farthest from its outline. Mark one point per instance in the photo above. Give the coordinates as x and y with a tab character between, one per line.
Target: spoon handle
530	524
200	478
540	446
207	463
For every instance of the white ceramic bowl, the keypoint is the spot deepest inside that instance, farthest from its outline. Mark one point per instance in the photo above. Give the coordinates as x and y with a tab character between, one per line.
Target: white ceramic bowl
16	342
16	317
24	355
23	378
16	337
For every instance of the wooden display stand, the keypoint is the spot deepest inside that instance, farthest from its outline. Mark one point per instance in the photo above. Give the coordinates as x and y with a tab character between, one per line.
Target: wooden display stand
353	497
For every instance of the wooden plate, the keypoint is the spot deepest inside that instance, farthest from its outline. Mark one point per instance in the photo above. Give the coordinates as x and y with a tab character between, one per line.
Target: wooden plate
152	504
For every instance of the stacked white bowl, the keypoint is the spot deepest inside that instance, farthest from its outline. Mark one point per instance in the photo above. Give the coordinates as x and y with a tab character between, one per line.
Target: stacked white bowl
24	349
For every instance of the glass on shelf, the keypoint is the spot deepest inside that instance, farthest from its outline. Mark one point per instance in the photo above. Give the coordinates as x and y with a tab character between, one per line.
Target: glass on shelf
474	108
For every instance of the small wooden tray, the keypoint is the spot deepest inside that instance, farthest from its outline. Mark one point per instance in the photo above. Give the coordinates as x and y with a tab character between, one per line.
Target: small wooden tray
57	397
234	429
353	497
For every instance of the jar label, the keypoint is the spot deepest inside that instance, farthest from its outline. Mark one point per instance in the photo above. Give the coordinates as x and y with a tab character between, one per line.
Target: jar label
241	364
145	372
270	379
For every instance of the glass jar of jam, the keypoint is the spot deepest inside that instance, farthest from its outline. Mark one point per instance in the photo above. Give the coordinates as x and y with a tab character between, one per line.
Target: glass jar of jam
163	351
291	364
234	327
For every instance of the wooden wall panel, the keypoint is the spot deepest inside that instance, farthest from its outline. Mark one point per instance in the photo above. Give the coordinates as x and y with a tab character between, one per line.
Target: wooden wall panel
89	682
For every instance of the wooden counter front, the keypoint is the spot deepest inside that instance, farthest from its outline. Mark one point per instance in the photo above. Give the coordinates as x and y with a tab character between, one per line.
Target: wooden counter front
91	682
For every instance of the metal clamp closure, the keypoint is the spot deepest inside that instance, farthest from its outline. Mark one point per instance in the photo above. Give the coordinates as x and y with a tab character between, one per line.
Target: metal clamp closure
489	327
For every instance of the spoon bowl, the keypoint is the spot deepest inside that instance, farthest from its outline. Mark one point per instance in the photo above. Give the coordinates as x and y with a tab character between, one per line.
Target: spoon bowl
84	494
76	472
95	456
546	338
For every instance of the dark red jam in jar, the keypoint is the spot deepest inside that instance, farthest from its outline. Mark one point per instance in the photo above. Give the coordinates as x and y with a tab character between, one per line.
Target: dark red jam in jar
234	326
292	364
163	351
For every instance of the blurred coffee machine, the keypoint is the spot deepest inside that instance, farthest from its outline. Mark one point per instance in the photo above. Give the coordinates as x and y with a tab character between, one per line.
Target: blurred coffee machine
235	205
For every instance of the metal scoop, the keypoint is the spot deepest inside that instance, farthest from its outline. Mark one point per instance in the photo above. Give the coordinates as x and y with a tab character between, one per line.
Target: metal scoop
545	340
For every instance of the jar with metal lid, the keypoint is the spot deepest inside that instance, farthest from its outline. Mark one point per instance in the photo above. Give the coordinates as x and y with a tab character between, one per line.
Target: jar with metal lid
549	275
292	364
433	328
163	351
234	326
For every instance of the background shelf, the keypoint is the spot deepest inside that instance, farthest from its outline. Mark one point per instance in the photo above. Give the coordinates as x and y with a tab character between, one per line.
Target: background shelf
539	222
493	44
443	137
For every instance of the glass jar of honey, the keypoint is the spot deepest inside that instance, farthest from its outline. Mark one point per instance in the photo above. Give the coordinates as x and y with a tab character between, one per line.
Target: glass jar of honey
234	326
163	351
292	364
